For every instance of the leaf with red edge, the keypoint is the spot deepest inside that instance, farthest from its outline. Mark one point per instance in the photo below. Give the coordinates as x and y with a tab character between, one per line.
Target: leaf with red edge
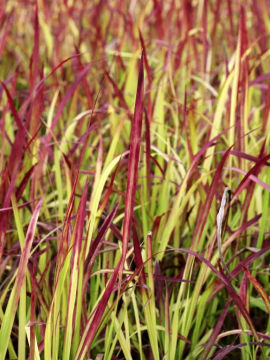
228	349
252	178
147	67
148	152
74	274
211	192
9	316
4	34
252	171
98	241
94	319
260	289
119	94
133	163
85	84
225	280
266	108
243	291
243	155
138	257
239	268
40	84
34	61
5	217
22	186
18	147
66	98
12	107
216	331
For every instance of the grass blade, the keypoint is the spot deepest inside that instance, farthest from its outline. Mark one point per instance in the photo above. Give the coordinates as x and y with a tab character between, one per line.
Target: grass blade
10	312
133	162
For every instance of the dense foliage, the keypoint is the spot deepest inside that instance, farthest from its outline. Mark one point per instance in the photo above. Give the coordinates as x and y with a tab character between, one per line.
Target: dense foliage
135	179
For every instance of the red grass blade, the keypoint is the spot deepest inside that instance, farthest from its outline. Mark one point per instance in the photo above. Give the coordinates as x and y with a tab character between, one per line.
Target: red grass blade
94	322
252	178
260	289
40	84
211	192
243	155
148	152
5	32
6	202
85	84
235	297
66	98
252	171
12	108
34	61
27	247
22	186
7	323
266	109
245	263
98	241
138	257
147	67
223	352
133	163
243	291
120	96
216	330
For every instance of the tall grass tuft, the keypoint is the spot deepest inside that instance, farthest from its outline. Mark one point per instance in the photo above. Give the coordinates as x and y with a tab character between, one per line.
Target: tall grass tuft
124	128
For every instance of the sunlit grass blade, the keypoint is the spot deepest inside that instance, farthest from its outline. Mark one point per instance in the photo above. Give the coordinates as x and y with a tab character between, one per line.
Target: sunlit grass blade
11	308
133	163
94	321
75	266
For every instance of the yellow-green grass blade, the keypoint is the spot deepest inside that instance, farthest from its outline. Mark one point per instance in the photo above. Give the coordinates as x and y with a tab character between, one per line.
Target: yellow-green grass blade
36	353
149	301
11	308
216	126
22	303
95	199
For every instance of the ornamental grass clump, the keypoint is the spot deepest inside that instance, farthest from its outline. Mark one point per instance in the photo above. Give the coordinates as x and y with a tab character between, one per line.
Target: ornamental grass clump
135	180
